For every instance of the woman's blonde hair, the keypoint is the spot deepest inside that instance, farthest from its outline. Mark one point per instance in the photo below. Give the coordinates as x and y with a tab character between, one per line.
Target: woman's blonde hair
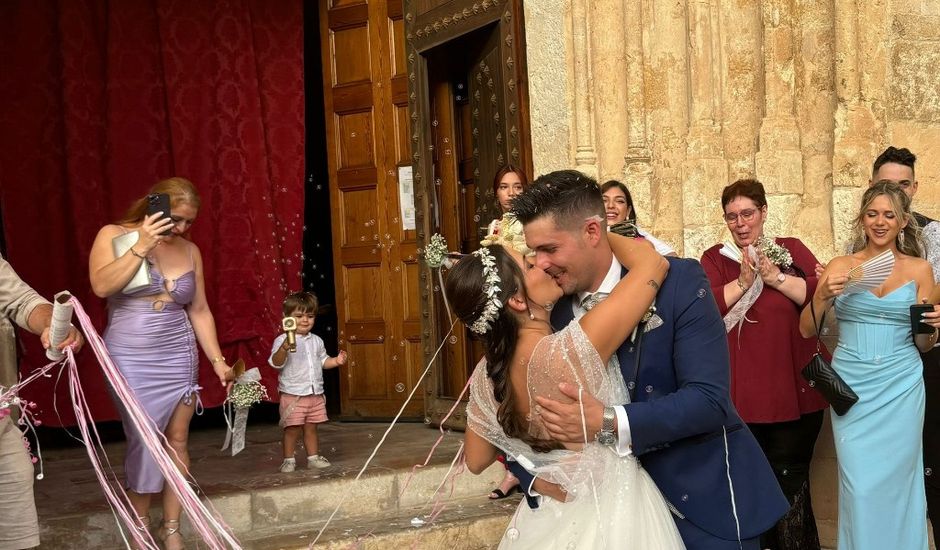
909	238
180	190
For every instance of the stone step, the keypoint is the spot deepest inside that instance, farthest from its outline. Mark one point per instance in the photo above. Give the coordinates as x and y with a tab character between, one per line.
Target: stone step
271	510
466	524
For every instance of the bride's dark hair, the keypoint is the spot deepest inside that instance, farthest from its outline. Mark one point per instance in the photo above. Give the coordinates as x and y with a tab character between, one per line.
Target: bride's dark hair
465	290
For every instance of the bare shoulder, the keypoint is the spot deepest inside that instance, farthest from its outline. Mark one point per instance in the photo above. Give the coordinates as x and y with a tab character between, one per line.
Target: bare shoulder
840	264
913	266
111	230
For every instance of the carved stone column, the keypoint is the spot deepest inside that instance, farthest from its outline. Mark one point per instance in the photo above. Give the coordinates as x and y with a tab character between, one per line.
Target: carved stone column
779	162
856	128
816	102
667	103
585	156
705	171
608	66
637	167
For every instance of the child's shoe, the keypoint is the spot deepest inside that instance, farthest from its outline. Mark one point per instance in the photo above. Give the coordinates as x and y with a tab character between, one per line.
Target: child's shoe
288	466
317	461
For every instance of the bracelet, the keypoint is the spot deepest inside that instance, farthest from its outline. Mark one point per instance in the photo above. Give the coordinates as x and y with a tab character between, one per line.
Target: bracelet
741	285
218	359
134	252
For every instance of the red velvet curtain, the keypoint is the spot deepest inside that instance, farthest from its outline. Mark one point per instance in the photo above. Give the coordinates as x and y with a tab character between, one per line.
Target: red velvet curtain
99	100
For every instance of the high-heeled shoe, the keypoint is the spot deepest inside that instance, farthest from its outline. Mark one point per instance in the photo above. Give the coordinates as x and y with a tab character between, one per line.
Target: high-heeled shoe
170	535
143	526
499	494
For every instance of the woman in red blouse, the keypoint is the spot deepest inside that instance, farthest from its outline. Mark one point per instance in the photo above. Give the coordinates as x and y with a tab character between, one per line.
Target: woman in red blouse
768	353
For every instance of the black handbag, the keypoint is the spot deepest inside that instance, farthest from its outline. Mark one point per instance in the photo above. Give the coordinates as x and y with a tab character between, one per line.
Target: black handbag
820	375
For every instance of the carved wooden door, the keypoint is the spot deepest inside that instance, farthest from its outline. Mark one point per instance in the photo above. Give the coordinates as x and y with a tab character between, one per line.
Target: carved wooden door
375	255
469	117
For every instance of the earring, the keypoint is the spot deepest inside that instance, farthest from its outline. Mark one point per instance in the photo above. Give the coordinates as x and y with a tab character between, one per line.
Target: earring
901	235
531	315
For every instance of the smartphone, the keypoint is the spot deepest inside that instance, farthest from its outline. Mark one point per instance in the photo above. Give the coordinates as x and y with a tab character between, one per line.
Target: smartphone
159	202
916	315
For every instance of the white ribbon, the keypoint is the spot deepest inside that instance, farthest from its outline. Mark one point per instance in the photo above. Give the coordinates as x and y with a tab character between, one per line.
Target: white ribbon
736	316
235	434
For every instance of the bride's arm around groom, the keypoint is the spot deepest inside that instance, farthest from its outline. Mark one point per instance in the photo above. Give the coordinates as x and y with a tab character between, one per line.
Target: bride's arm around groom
680	422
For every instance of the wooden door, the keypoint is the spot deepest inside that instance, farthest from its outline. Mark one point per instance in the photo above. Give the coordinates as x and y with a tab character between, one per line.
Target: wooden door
375	257
461	136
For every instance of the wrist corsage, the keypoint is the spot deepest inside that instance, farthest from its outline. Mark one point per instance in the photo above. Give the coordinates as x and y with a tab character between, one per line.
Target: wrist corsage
776	253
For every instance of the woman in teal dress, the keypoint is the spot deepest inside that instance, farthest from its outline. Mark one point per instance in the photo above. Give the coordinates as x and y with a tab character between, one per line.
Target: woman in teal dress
882	503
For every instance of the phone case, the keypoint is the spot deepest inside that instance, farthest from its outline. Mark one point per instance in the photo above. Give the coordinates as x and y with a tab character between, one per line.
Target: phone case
159	202
916	326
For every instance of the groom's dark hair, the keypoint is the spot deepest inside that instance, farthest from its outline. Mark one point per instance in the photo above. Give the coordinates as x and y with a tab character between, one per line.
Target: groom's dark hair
568	196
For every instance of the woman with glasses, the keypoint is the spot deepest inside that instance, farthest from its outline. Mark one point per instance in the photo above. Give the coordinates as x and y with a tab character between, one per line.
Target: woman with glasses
768	352
152	332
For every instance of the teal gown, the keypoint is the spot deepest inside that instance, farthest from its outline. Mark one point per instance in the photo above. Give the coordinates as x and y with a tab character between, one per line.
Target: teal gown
882	502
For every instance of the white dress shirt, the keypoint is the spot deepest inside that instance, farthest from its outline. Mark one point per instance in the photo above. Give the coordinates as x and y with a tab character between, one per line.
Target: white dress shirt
624	439
302	371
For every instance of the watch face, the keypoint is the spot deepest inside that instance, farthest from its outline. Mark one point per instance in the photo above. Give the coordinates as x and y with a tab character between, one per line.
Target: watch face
781	277
606	438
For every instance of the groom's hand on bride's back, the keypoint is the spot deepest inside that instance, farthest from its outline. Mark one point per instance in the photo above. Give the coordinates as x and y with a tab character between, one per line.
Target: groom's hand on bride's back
562	419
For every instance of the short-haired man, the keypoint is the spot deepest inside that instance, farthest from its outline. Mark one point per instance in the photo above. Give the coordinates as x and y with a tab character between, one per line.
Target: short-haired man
680	422
897	165
19	526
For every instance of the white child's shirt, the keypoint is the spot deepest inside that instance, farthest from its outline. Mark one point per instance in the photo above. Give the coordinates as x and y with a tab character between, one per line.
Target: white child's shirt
302	371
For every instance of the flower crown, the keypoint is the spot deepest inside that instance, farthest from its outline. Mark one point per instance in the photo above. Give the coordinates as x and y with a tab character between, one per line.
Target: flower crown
491	304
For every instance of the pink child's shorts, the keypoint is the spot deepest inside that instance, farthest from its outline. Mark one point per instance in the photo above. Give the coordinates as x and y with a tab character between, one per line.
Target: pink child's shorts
297	410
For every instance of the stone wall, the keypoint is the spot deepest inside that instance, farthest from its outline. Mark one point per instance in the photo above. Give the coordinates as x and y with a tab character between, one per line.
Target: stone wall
680	98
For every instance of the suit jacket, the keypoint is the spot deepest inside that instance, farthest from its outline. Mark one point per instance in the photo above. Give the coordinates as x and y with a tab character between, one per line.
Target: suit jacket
681	405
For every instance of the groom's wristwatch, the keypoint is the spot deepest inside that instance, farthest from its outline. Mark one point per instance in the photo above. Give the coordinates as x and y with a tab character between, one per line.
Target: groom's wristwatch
607	436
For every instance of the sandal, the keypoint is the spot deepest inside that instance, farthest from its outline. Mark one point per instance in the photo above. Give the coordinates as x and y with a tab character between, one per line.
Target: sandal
171	528
142	527
499	494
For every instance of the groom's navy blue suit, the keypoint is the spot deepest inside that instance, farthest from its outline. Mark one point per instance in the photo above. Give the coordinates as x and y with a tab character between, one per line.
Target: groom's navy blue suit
681	402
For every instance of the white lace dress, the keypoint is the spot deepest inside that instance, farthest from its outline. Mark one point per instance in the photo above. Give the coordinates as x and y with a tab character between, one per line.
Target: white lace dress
612	503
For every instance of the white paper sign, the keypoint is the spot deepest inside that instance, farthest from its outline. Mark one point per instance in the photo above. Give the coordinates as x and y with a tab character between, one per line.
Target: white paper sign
406	197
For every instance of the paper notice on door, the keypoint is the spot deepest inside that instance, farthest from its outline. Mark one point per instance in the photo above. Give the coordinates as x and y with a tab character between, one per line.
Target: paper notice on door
406	197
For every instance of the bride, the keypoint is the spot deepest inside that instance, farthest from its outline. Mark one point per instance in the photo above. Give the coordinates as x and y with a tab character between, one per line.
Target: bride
600	500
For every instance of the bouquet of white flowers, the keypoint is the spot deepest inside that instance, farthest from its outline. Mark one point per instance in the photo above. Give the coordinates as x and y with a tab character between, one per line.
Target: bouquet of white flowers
776	253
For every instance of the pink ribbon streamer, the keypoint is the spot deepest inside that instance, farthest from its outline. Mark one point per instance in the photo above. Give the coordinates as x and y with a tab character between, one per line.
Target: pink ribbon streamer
215	533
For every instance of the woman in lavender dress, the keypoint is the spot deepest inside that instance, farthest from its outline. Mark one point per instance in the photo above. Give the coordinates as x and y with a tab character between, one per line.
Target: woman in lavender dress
152	334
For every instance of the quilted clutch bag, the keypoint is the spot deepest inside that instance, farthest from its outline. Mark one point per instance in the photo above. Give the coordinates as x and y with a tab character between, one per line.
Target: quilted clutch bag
820	375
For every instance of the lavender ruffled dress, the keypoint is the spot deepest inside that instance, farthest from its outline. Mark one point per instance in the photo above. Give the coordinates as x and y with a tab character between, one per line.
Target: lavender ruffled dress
155	349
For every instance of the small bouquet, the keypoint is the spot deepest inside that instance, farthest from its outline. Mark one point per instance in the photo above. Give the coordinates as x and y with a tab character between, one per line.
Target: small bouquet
777	254
436	251
248	389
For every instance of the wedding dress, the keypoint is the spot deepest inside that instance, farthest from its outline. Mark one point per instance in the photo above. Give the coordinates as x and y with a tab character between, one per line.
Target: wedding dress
612	501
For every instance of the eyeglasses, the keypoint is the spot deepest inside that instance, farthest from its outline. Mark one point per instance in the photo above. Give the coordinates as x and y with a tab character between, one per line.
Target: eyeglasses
745	215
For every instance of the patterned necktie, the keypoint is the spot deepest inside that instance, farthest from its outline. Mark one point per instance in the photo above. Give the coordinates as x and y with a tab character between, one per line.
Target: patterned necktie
592	300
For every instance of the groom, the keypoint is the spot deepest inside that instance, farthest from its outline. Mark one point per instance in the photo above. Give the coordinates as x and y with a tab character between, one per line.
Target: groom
680	423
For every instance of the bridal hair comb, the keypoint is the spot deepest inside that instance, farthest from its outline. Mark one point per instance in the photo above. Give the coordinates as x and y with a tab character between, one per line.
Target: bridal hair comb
870	274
